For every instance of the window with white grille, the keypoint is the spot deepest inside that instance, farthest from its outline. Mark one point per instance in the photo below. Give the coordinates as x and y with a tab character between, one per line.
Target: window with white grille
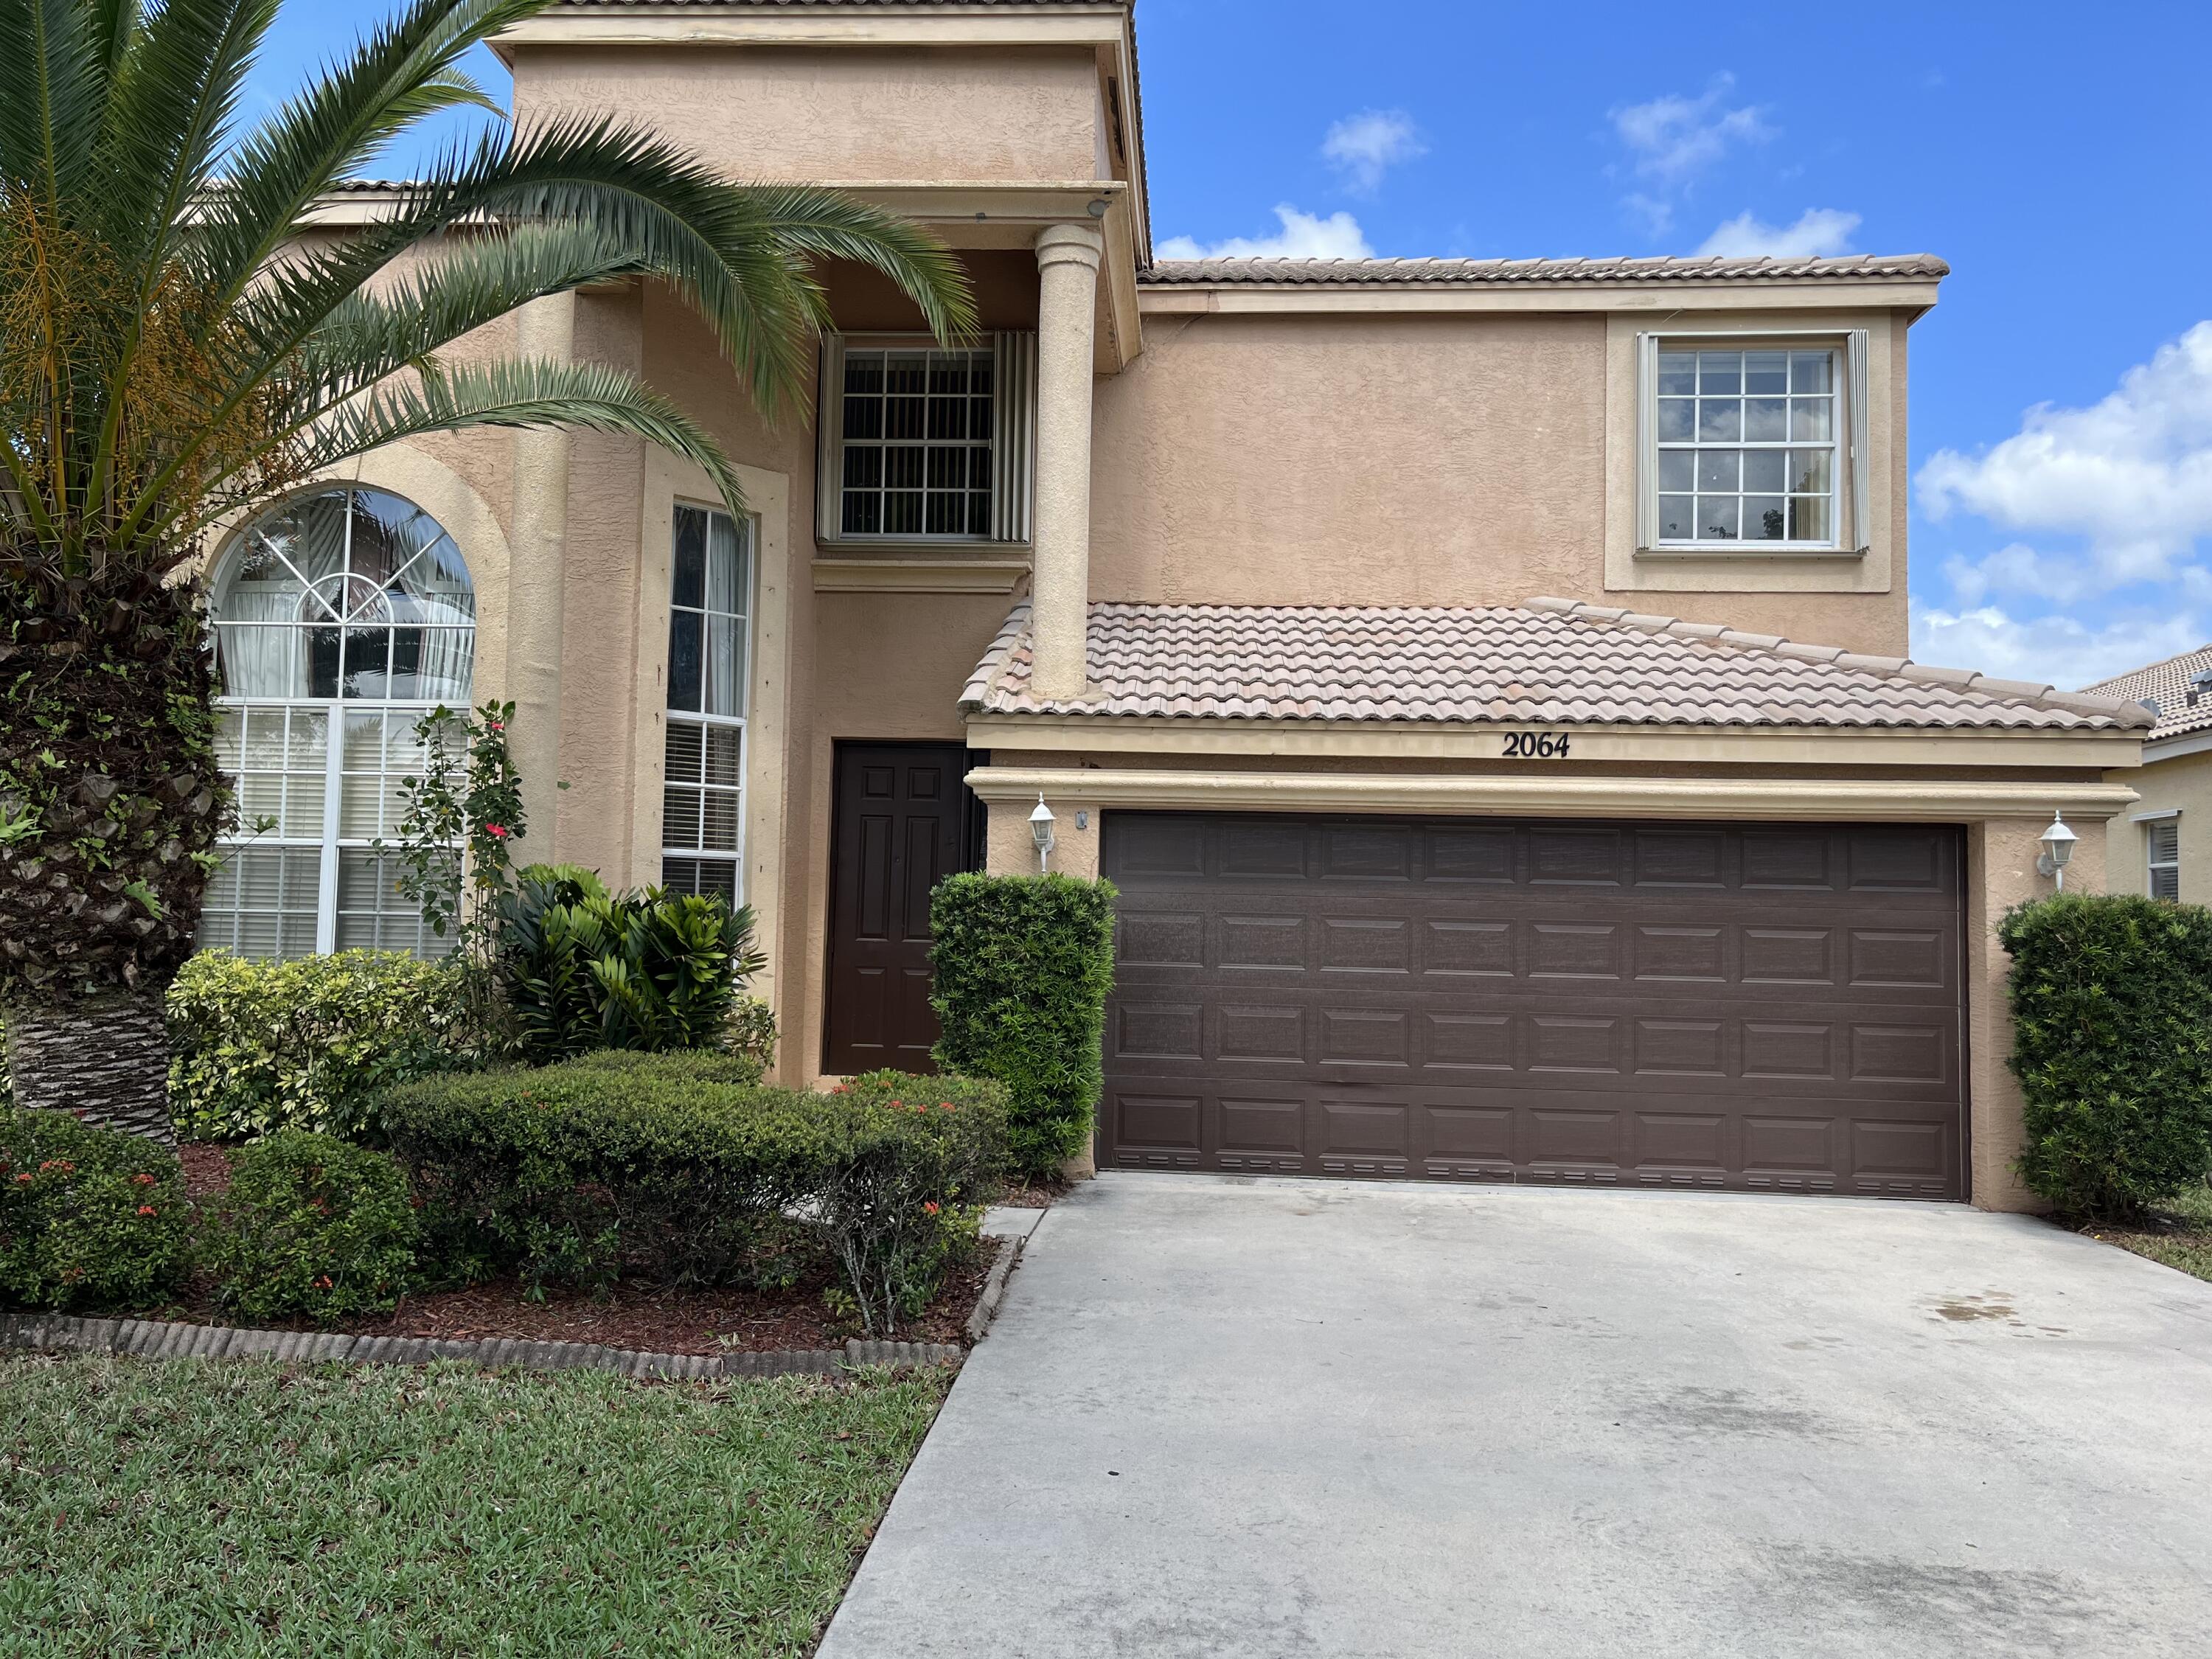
922	444
709	662
341	619
1751	445
2162	840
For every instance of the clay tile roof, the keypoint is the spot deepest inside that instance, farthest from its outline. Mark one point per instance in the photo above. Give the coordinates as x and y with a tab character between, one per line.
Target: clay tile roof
1548	661
1468	273
2167	686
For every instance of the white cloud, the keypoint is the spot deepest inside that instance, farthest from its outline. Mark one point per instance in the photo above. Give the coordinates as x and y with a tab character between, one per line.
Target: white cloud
1366	145
1673	139
2132	474
1303	236
1819	233
2060	649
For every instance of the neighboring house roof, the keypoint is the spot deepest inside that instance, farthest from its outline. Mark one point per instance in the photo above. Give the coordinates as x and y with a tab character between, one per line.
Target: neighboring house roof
2167	686
1460	273
1548	661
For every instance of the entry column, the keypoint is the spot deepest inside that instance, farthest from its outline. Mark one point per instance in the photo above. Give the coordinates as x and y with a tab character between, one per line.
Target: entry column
1067	297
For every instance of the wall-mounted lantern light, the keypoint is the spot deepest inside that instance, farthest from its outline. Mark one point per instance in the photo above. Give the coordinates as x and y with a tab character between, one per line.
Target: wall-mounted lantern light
2057	850
1040	822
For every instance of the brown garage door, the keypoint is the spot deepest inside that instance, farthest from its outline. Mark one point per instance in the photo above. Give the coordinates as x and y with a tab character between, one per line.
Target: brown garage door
1769	1008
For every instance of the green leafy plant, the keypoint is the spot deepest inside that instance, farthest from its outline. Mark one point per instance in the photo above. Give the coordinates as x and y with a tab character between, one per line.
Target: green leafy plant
1021	967
2112	1000
311	1226
581	967
261	1046
182	342
653	1166
89	1216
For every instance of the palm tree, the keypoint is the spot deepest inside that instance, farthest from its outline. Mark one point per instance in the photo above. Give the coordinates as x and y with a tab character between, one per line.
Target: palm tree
174	352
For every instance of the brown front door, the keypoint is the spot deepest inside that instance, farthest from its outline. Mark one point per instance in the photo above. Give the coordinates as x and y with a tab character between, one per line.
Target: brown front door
1764	1007
903	820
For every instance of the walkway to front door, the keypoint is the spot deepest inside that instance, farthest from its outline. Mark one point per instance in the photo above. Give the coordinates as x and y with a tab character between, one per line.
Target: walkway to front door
1250	1418
903	820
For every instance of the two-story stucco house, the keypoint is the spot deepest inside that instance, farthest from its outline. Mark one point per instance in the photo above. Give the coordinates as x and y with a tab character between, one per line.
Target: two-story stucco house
1486	680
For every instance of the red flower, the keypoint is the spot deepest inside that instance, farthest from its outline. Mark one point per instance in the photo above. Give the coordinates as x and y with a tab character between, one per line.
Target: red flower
898	1105
148	1209
929	1209
945	1106
23	1180
496	831
141	1180
494	726
839	1089
324	1283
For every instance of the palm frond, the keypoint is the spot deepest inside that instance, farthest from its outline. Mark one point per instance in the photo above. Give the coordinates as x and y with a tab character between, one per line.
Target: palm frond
402	72
459	289
514	393
52	89
176	95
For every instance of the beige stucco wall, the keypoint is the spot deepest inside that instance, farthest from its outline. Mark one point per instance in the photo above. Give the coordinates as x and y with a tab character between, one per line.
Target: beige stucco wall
1437	459
2182	784
846	113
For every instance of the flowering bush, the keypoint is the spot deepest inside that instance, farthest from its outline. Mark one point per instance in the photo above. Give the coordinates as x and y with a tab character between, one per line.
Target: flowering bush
88	1216
655	1166
314	1225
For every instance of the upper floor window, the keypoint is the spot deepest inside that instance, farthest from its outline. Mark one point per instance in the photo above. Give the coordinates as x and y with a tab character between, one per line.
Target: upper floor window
921	444
341	619
709	653
1754	443
1748	446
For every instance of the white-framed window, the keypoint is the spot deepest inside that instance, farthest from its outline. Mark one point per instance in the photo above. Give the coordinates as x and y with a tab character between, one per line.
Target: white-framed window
709	664
924	444
1752	443
341	619
2162	857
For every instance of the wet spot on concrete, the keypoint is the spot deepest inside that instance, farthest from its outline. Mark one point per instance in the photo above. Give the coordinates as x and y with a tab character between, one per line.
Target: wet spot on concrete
1951	1609
1965	1310
1713	1412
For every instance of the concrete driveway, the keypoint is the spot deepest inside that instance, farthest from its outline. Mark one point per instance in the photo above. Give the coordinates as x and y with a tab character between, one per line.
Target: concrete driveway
1228	1417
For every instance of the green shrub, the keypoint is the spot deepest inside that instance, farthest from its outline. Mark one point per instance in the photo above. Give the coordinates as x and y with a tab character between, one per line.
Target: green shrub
1022	965
311	1224
652	1166
89	1216
2111	1000
584	968
259	1046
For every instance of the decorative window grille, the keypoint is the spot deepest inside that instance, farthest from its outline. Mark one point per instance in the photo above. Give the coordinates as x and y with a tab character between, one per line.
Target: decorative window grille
920	444
341	619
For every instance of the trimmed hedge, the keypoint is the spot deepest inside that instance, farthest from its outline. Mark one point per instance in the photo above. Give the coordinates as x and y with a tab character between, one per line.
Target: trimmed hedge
311	1224
88	1216
260	1046
2112	998
1022	965
650	1166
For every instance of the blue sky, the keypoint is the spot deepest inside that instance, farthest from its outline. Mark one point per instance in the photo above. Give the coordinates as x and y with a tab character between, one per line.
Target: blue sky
2058	157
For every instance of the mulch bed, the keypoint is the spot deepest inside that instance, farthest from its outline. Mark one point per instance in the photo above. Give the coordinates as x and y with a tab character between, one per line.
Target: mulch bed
649	1318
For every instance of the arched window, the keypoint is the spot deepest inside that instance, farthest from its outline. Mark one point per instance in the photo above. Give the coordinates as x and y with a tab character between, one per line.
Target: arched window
341	618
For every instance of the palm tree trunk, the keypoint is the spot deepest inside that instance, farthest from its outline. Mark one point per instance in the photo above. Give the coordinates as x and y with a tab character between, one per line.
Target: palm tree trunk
106	1058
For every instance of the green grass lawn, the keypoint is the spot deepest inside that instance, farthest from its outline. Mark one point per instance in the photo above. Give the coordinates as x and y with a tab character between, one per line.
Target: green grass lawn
2180	1235
183	1507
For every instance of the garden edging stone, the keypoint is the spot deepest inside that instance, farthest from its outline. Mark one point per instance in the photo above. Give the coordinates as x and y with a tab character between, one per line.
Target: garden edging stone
151	1338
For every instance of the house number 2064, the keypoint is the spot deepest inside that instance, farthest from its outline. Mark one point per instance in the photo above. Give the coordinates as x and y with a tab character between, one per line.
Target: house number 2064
1535	746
